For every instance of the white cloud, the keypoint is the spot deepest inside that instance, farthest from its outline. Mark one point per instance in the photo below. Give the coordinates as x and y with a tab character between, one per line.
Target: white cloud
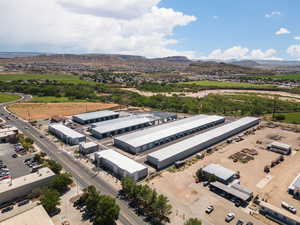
297	38
282	30
103	26
215	17
272	14
241	53
294	51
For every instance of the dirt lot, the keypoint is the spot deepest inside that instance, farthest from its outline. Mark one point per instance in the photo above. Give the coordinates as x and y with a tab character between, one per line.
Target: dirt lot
190	199
36	111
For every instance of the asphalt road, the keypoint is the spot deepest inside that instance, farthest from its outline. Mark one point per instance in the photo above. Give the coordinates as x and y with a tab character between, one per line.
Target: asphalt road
82	174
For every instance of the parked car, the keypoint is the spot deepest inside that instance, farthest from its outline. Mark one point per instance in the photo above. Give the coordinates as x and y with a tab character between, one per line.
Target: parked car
24	202
209	209
239	222
55	212
14	156
288	207
7	209
249	223
229	217
238	203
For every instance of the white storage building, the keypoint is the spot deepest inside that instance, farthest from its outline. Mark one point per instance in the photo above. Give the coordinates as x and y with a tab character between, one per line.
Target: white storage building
93	117
294	188
89	147
22	186
280	147
149	138
120	125
170	154
120	165
222	174
66	134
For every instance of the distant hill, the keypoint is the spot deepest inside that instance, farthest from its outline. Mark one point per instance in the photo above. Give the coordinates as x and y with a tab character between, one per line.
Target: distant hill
245	63
10	55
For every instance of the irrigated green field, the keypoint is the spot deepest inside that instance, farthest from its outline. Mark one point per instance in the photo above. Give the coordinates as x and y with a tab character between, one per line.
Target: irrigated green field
277	77
8	98
64	78
292	117
229	85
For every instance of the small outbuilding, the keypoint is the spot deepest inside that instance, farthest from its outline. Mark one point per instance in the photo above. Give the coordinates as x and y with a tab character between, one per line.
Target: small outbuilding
222	174
280	148
88	147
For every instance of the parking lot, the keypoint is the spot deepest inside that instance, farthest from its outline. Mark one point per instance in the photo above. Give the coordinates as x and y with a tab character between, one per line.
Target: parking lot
15	165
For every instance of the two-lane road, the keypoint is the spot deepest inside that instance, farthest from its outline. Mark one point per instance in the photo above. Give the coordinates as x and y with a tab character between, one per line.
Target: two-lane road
82	174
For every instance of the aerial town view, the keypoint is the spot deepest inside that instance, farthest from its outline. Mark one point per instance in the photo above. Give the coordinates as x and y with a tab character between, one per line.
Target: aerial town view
149	112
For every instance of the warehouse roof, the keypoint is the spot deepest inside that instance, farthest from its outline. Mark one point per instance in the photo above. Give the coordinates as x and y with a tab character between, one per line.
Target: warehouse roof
230	190
280	145
219	171
24	180
106	122
189	143
153	134
121	161
242	189
34	216
66	130
95	115
131	121
295	183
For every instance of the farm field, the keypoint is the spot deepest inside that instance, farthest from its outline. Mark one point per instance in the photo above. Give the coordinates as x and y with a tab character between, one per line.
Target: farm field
64	78
8	98
36	111
224	84
292	117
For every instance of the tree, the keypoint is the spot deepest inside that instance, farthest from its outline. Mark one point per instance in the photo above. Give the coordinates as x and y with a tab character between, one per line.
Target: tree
61	182
193	221
107	210
128	185
162	209
54	166
200	175
212	178
50	199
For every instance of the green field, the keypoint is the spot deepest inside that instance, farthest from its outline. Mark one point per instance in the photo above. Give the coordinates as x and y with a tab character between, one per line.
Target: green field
64	78
46	99
277	77
292	117
8	98
225	84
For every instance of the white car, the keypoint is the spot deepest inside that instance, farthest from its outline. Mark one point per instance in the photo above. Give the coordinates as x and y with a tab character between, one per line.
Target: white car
230	216
292	209
209	209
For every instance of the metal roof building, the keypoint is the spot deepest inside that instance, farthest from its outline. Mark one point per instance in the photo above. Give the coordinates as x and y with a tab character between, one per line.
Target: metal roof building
93	117
121	125
170	154
223	174
89	147
66	134
149	138
280	147
120	165
295	186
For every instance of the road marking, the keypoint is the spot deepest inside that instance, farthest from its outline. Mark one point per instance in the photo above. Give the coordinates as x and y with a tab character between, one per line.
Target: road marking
262	183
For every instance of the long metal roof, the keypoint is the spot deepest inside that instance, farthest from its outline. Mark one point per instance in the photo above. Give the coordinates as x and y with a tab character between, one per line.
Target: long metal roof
121	161
295	183
230	190
219	171
95	115
192	142
153	134
118	124
106	122
66	130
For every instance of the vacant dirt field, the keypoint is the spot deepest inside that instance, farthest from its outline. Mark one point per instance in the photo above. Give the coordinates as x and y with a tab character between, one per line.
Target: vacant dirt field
190	199
36	111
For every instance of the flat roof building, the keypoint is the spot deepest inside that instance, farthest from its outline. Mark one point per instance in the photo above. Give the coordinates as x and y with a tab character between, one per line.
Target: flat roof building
34	216
66	134
22	186
222	174
234	192
93	117
120	165
149	138
88	147
294	188
280	147
181	150
120	125
278	215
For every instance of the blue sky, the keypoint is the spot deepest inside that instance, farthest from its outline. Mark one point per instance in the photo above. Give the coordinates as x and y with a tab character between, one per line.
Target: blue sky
199	29
223	24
